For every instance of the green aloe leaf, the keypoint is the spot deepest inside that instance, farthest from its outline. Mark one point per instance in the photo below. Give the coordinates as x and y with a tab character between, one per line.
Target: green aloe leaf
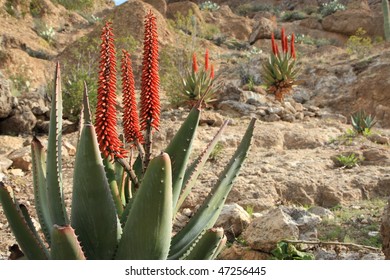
208	246
54	160
30	245
65	245
40	189
94	216
179	151
147	232
208	213
109	167
194	170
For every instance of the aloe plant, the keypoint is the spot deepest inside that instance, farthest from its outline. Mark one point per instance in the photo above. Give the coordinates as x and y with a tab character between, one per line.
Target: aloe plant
280	71
122	208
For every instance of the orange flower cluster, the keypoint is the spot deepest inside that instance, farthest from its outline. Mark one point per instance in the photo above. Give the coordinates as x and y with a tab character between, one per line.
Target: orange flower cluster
284	40
105	121
150	100
130	116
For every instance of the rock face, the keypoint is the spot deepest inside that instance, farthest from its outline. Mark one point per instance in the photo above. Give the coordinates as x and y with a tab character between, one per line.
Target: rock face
22	121
233	219
159	5
229	23
348	21
385	232
262	30
183	8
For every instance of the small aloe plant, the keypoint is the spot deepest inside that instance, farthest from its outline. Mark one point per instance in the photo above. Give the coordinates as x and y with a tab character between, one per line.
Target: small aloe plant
280	71
362	122
199	84
123	207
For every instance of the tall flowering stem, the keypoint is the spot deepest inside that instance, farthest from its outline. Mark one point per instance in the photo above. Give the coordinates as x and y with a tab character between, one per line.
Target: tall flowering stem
105	122
150	99
131	126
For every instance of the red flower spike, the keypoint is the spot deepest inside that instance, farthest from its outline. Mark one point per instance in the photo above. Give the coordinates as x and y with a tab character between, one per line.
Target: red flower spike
130	116
274	46
285	44
212	71
194	63
150	99
292	46
276	50
105	118
206	60
283	38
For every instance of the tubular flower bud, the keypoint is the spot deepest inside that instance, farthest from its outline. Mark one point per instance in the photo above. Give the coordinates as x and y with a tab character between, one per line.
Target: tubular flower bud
212	71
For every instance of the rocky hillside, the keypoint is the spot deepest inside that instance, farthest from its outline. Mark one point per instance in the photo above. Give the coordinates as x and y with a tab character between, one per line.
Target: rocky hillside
301	146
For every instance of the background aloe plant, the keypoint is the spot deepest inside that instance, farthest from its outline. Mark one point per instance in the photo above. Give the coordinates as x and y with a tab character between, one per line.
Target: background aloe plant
121	209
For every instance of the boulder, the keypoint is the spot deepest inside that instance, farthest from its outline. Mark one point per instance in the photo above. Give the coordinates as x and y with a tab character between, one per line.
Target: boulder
322	212
385	231
236	108
263	29
159	5
233	219
307	222
21	158
229	23
183	8
265	232
22	121
348	21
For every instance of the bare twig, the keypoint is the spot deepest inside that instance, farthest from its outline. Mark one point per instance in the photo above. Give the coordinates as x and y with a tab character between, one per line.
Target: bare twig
330	243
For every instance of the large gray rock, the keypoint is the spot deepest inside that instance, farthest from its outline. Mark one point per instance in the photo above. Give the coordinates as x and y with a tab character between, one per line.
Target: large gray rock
265	232
233	219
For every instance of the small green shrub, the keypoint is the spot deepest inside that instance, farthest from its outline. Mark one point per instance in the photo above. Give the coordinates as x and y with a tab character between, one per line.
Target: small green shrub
248	8
37	8
362	122
308	40
287	251
349	161
76	5
20	83
293	16
209	6
359	44
17	8
331	7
